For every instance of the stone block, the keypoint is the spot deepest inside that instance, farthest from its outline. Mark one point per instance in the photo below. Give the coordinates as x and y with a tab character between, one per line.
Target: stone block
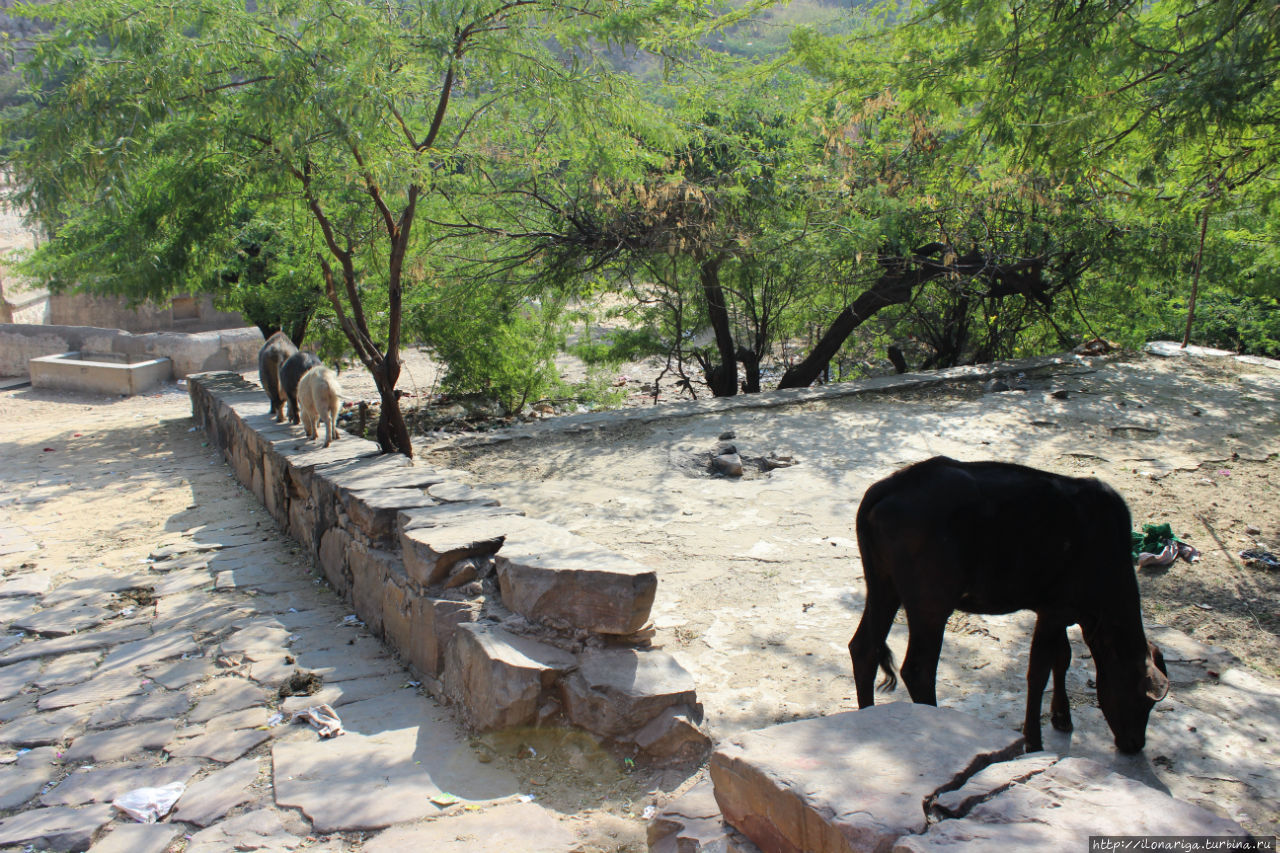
56	828
616	692
303	524
553	577
452	513
674	736
1058	808
374	510
397	614
692	824
334	545
855	781
430	552
370	568
275	497
433	624
499	679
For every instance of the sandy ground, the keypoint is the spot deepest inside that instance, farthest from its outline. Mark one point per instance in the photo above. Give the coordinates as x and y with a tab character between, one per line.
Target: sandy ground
760	582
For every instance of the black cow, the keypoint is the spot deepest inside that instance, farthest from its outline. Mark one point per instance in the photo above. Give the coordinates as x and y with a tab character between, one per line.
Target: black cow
274	353
992	537
291	374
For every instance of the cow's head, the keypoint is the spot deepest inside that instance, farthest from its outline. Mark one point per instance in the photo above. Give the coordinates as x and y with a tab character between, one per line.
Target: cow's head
1128	688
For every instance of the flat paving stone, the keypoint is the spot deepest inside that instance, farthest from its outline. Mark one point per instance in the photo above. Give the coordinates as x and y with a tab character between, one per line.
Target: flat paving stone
220	746
15	677
503	828
11	709
68	669
121	633
28	583
346	692
104	784
137	838
124	742
99	690
260	830
228	694
853	781
23	779
395	756
178	674
156	705
151	650
58	828
67	619
12	609
43	729
218	793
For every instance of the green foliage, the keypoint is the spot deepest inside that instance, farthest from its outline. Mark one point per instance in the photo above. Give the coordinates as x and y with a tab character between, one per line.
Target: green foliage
501	348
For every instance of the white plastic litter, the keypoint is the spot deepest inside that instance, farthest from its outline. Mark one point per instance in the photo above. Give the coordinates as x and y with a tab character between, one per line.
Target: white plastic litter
323	718
147	805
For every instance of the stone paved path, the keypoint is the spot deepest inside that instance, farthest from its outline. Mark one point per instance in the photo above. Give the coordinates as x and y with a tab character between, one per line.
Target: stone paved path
150	612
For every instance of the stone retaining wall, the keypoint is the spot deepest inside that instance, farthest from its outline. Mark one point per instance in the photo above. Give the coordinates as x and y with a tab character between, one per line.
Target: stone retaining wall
515	621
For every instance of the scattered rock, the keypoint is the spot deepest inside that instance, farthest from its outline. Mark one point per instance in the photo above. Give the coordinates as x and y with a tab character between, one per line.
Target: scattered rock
728	464
617	692
500	679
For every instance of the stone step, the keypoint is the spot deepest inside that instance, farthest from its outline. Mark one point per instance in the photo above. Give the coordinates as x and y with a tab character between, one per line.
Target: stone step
501	680
555	578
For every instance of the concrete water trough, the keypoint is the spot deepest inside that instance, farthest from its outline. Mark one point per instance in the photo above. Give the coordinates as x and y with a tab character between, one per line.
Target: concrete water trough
100	373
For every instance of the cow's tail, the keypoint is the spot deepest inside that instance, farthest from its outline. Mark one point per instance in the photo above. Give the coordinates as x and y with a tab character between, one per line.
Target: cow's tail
890	681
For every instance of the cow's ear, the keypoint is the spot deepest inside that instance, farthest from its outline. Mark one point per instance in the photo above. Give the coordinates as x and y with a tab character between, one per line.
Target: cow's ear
1157	683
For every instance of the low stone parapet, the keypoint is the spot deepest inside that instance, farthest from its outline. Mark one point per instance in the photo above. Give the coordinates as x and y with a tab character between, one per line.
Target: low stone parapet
506	617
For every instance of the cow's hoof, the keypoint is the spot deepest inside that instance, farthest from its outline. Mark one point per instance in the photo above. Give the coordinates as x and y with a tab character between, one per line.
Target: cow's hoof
1062	722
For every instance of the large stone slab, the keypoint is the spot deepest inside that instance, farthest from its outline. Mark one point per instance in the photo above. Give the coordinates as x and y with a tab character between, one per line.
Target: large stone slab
124	742
500	679
526	827
219	792
261	829
23	779
15	677
103	688
27	583
397	754
137	838
122	633
616	692
854	781
104	784
55	829
430	552
374	510
42	729
70	618
226	695
551	576
1060	807
156	705
692	823
452	513
433	622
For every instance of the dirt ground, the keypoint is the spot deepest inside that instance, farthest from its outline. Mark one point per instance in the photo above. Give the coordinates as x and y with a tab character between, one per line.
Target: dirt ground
760	583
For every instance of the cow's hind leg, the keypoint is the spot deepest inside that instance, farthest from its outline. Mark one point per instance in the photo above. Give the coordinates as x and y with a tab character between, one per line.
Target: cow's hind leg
924	647
1060	708
868	649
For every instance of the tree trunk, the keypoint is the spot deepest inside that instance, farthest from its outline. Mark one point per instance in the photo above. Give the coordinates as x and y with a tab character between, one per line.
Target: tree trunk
722	378
751	369
392	435
892	288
